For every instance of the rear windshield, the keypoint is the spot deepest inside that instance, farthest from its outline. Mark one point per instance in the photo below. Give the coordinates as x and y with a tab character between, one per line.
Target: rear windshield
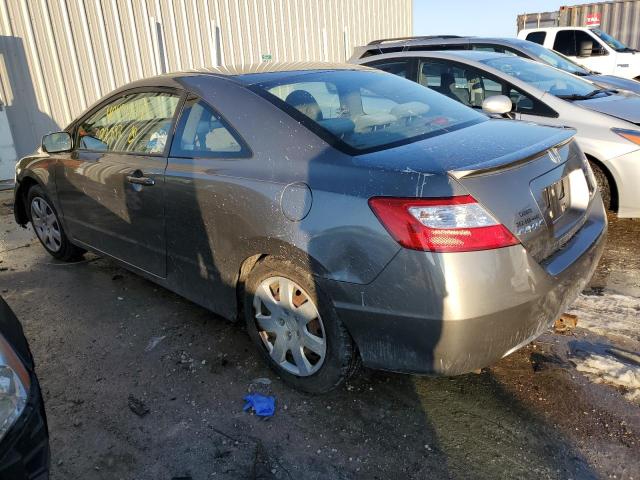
361	111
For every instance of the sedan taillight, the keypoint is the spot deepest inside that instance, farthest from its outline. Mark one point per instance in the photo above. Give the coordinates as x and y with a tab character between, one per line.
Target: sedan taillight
452	224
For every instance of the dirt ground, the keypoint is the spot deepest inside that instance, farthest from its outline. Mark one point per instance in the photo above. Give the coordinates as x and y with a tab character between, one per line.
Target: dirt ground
104	339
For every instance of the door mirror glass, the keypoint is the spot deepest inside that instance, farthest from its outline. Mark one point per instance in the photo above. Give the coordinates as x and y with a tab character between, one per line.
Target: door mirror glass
497	105
57	142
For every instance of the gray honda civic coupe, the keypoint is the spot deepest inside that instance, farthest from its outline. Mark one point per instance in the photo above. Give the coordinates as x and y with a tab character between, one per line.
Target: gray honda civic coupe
347	215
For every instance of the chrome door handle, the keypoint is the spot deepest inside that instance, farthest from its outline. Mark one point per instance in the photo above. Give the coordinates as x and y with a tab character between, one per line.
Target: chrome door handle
146	181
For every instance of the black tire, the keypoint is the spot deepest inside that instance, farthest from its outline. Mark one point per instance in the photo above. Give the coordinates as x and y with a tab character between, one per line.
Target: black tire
603	183
340	360
67	251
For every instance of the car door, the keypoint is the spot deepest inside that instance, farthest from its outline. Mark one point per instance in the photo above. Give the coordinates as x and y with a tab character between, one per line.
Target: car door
203	204
110	188
575	45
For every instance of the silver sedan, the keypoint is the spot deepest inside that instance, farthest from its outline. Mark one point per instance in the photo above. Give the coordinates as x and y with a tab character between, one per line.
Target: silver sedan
606	121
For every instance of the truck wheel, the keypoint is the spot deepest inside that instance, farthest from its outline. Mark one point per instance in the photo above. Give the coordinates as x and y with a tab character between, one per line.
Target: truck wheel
296	328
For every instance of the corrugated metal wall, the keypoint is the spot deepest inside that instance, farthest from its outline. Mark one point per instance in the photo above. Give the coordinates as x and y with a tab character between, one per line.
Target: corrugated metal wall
59	56
621	19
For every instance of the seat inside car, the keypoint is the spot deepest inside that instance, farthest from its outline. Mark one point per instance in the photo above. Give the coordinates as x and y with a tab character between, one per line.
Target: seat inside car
305	103
449	88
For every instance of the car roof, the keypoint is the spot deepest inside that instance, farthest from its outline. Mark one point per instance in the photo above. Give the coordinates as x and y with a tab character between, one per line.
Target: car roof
254	73
474	55
244	74
379	47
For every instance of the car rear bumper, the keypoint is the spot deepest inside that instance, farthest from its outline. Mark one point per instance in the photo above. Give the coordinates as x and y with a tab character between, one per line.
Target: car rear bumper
453	313
626	173
24	451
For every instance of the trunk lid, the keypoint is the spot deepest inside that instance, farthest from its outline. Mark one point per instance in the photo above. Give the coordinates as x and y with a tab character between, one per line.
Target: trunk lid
542	199
514	169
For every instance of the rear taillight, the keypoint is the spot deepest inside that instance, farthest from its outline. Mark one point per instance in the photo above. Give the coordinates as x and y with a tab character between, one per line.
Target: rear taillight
452	224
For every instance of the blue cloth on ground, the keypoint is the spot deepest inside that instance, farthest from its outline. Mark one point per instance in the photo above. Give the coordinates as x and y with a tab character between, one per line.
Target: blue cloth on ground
262	405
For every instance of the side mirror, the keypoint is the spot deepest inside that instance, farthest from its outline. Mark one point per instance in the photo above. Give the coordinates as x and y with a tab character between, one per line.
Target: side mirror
57	142
497	105
586	48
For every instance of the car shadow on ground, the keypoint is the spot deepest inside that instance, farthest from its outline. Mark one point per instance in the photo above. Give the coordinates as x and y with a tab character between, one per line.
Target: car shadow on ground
91	337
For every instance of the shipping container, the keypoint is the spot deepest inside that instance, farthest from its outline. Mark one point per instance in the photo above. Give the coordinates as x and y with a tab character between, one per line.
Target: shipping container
620	19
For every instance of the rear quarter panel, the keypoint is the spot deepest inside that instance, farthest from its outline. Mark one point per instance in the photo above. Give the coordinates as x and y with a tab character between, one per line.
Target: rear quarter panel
296	197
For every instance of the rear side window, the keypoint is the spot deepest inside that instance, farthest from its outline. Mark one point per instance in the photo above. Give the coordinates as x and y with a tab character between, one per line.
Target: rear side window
487	47
482	47
202	132
397	67
136	123
537	37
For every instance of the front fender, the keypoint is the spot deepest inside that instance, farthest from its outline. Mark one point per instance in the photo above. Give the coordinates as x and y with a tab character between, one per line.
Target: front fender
33	170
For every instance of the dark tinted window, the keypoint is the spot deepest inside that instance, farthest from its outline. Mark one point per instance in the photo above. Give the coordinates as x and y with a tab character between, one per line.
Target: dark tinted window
537	37
397	67
570	43
490	47
485	47
136	123
201	132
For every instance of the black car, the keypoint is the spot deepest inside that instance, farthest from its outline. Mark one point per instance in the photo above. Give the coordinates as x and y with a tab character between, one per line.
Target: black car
24	438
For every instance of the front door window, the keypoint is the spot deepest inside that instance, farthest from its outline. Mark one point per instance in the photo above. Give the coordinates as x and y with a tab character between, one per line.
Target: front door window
136	123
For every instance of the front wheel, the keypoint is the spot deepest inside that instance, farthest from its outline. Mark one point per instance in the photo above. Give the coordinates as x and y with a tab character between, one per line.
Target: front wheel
48	228
296	328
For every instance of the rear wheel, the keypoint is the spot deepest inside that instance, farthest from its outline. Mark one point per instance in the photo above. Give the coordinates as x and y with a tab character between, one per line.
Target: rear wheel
48	228
603	184
296	328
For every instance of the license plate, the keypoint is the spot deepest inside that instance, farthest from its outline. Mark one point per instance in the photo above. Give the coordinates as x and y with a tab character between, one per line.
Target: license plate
557	199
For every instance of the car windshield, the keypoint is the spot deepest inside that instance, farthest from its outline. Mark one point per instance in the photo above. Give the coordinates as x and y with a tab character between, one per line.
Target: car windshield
543	77
555	59
366	110
614	43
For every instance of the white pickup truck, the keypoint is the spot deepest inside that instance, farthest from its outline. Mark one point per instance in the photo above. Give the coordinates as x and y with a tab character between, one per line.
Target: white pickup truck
591	47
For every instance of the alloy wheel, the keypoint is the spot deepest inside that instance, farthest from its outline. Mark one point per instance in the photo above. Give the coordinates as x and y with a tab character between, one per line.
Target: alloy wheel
46	224
290	326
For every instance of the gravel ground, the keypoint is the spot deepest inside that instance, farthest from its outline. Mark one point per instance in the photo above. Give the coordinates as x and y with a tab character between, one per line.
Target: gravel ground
107	342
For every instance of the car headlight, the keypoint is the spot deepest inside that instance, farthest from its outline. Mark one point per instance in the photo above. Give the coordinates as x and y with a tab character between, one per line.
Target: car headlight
14	387
631	135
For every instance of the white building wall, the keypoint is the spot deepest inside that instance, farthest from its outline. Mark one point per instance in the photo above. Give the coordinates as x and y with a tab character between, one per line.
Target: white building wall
57	57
